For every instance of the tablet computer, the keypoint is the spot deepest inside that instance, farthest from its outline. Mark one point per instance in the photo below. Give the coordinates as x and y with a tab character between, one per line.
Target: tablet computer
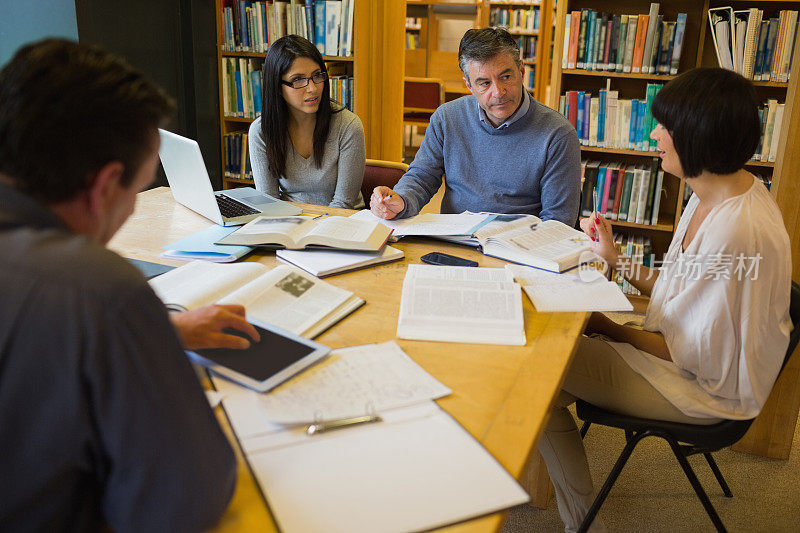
278	356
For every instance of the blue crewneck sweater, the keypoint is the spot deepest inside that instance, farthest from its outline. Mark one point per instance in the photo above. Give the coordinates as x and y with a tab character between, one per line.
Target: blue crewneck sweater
531	165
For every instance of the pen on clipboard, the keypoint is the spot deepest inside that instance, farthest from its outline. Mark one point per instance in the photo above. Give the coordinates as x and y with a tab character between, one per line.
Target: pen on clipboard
322	427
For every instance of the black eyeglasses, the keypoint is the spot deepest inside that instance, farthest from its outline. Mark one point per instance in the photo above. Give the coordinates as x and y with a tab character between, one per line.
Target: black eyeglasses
299	83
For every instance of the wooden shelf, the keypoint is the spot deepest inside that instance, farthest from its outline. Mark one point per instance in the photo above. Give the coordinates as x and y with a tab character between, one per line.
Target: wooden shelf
624	224
760	164
620	151
784	85
413	28
529	61
503	3
228	53
529	33
244	181
238	119
475	3
608	74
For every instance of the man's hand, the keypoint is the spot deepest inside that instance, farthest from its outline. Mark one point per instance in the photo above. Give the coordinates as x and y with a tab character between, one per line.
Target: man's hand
385	203
202	328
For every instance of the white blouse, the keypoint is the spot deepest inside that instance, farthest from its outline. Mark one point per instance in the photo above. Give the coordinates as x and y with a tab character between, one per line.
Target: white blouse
723	308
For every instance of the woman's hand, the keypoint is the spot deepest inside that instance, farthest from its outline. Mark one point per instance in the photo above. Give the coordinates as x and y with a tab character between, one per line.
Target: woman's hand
599	230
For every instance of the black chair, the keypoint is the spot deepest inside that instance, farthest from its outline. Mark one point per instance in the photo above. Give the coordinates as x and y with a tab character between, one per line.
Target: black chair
695	438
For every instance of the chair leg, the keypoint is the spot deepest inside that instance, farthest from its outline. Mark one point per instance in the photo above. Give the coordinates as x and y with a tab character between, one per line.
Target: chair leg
698	488
585	428
610	480
714	468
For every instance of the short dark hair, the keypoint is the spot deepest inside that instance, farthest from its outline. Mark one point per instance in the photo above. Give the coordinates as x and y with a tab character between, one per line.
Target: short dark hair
275	112
483	44
712	116
66	110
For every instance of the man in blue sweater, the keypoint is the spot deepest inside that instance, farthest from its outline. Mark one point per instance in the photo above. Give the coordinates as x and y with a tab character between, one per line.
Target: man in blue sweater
502	151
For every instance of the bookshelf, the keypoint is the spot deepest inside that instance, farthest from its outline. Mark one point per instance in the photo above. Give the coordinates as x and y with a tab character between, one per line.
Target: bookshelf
698	50
375	96
441	24
772	432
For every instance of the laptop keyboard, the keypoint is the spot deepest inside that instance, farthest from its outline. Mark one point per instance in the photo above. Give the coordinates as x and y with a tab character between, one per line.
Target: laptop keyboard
231	208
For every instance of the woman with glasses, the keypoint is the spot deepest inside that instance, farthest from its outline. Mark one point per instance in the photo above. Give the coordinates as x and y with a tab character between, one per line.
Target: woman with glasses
304	148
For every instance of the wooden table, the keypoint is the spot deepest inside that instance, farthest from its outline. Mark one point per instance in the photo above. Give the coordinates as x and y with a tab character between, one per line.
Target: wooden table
501	394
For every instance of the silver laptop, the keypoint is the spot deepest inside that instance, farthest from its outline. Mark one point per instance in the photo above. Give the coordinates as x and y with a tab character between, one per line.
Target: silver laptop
191	186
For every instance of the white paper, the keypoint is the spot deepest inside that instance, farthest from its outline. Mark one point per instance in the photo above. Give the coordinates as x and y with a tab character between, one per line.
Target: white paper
416	470
352	382
460	304
214	398
428	223
323	262
586	290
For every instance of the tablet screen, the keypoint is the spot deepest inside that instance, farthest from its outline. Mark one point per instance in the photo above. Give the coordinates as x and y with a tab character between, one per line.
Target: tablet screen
263	359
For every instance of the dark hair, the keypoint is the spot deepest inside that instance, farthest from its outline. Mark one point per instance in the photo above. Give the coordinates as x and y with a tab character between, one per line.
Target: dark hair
275	111
712	116
483	44
66	110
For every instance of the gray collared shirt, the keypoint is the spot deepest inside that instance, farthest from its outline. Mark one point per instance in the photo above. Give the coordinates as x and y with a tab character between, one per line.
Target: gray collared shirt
520	112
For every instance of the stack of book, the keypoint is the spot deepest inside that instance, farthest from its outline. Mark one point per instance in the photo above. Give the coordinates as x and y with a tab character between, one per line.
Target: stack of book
515	20
625	193
643	43
608	122
771	115
640	250
253	26
756	48
241	87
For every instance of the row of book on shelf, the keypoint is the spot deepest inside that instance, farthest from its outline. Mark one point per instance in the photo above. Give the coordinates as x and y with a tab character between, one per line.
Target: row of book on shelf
412	41
250	26
607	121
640	250
515	19
771	115
236	156
639	43
527	47
759	49
413	23
241	88
628	193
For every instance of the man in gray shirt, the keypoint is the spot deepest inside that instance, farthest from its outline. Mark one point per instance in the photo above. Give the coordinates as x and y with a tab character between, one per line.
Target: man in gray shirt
501	150
102	420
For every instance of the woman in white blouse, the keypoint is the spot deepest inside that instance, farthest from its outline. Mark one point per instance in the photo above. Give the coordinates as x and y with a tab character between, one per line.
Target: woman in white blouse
718	324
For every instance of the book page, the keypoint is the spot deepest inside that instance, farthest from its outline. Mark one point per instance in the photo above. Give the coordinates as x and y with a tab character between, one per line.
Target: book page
429	223
460	304
352	382
548	240
294	228
288	298
340	228
201	283
503	223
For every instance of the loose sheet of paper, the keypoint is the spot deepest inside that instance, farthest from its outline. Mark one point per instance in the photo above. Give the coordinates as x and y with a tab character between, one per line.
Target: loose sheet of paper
351	382
429	223
586	290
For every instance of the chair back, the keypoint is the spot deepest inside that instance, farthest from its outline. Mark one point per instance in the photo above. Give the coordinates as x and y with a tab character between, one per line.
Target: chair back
378	172
421	97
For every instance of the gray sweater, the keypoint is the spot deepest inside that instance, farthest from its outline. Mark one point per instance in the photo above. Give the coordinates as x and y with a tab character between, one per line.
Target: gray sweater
337	183
530	164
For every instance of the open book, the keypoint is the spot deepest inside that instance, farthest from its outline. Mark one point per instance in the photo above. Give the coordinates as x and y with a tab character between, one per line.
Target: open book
460	304
298	232
429	224
284	296
549	245
326	262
